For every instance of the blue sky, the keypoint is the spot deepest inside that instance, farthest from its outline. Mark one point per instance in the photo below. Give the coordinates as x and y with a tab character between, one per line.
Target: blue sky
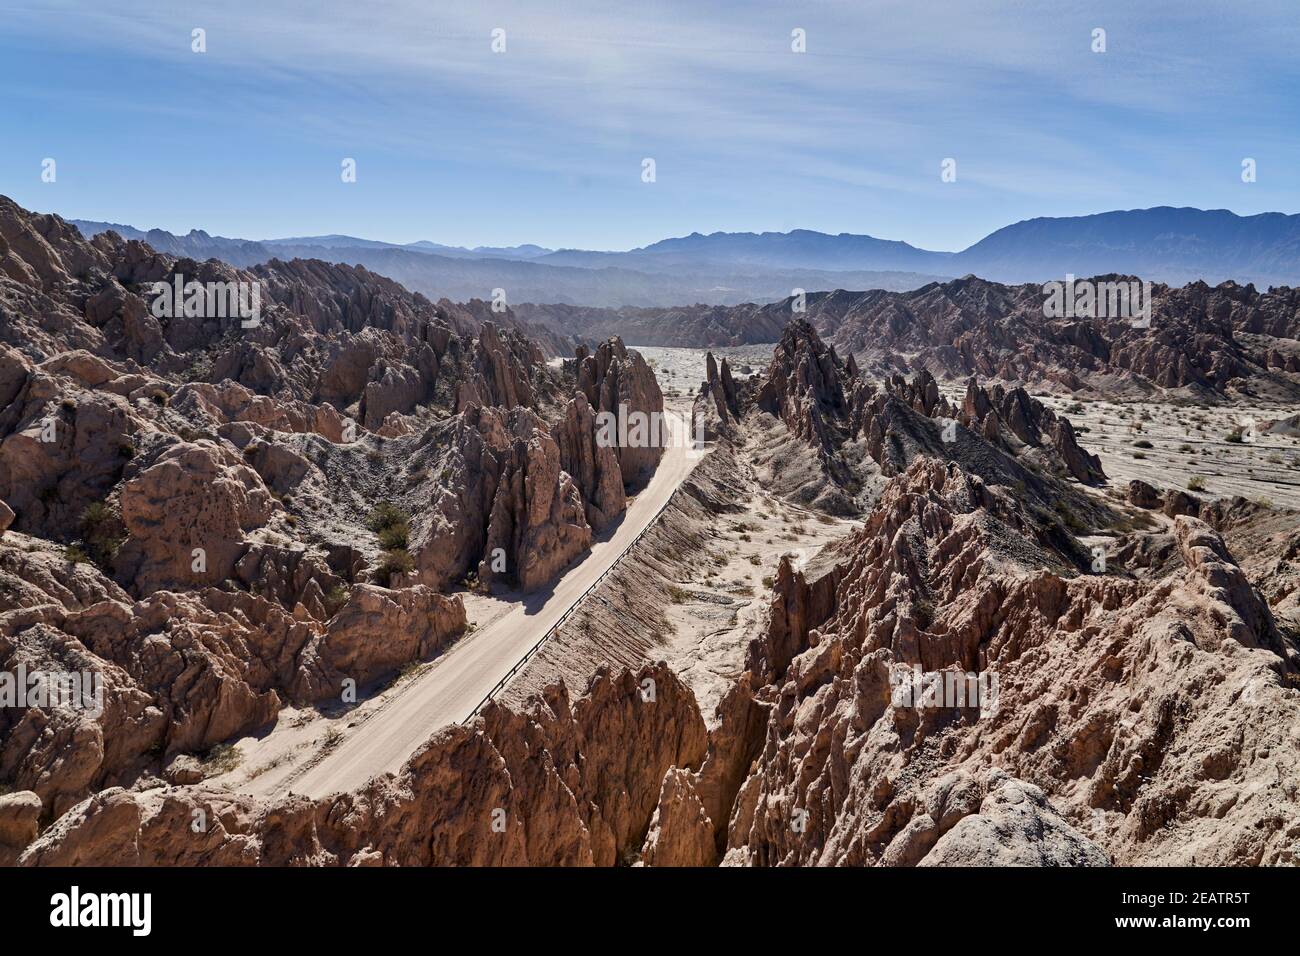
544	143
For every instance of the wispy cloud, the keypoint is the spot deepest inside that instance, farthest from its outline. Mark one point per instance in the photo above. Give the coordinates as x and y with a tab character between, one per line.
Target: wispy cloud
858	123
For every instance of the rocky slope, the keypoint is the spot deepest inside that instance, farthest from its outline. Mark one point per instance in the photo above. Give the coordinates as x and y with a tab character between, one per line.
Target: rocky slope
860	431
551	785
1203	342
1135	720
223	513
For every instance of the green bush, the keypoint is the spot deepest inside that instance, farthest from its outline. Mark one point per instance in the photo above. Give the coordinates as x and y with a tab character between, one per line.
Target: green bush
396	561
394	537
385	515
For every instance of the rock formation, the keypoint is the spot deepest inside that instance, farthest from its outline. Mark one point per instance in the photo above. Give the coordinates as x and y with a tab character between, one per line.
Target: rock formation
188	496
551	786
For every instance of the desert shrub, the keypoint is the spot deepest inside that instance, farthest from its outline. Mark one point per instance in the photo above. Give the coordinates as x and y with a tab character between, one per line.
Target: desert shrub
396	561
221	759
677	595
385	515
336	597
93	518
1142	443
394	537
1196	483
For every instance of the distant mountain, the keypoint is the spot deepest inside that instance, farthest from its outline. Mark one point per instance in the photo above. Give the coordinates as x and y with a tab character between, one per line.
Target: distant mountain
522	271
799	249
1162	244
423	245
196	244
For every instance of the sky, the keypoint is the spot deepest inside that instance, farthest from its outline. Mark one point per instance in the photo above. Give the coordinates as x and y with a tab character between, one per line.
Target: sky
545	142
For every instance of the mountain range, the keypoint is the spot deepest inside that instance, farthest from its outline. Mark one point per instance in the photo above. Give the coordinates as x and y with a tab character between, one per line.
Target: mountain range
1165	244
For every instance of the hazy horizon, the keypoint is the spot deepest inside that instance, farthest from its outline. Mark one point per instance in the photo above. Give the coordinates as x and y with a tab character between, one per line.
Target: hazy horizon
544	143
524	242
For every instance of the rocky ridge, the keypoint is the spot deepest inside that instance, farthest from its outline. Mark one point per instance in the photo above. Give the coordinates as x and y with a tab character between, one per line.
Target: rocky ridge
188	498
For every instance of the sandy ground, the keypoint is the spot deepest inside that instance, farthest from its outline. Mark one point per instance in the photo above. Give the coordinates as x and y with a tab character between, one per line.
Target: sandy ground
1189	444
680	371
718	607
317	752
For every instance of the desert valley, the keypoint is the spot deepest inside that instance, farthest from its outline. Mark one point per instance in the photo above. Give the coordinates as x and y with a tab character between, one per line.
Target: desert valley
365	582
581	462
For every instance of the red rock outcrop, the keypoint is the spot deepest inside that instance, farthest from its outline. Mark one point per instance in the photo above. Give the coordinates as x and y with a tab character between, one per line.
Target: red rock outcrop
549	786
618	382
1077	758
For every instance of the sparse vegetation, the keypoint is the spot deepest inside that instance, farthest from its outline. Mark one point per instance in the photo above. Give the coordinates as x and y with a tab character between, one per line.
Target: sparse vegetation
472	583
677	595
222	758
391	526
100	538
394	537
385	515
396	561
1196	483
336	597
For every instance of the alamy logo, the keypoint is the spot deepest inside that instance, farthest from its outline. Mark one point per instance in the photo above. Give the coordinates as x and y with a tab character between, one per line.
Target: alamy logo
79	690
1088	299
912	687
75	908
626	429
209	300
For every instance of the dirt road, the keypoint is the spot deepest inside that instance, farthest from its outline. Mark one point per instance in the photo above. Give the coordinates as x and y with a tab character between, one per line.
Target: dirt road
381	733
